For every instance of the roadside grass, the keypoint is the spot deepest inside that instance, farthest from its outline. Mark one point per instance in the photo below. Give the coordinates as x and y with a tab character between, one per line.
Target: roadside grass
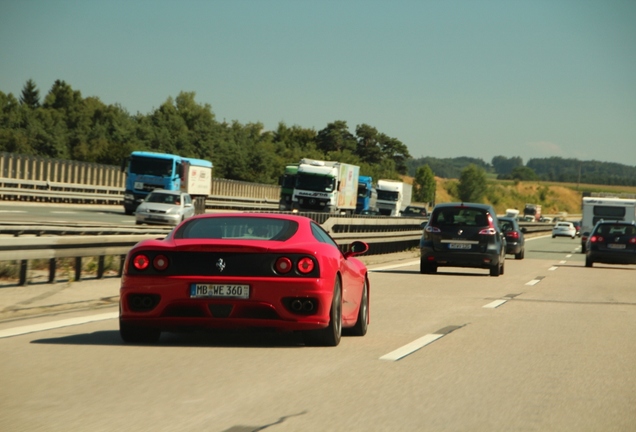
65	268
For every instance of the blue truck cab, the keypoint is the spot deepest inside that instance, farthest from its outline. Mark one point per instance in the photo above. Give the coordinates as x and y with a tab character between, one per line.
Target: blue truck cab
367	195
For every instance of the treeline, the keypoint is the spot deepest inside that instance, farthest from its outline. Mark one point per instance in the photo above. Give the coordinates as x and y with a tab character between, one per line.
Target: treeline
65	125
553	169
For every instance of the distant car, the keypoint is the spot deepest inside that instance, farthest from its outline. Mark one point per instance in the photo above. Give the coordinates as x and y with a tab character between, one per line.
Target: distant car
611	243
515	239
577	227
564	229
463	235
415	211
369	212
245	270
165	208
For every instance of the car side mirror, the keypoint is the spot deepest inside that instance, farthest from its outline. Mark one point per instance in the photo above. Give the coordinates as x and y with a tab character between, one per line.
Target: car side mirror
524	230
356	248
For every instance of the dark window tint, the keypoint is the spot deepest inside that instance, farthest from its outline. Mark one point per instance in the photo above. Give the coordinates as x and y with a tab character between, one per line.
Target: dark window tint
238	228
459	216
321	235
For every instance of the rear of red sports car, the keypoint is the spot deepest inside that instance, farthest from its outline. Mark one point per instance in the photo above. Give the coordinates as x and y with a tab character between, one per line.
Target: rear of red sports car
240	271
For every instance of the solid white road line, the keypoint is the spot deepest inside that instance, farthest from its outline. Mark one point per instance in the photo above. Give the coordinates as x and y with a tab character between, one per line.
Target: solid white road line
16	331
410	263
411	347
495	304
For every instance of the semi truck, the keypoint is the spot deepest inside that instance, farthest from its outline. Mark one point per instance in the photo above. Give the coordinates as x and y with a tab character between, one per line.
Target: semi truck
147	171
325	186
594	209
367	195
287	183
393	197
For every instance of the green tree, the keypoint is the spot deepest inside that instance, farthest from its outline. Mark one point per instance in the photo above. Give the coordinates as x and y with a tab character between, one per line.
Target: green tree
30	95
424	185
368	147
523	173
336	137
472	184
504	166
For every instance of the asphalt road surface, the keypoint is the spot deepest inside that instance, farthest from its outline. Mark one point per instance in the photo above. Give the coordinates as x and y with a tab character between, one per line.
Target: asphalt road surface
548	346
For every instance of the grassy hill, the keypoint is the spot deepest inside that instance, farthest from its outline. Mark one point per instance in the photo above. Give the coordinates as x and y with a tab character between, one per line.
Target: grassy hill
553	197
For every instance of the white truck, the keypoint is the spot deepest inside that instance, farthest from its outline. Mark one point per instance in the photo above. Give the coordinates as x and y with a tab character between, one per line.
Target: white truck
594	209
393	197
326	186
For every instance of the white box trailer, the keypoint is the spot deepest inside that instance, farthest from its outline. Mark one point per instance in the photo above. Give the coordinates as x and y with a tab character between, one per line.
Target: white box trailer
594	209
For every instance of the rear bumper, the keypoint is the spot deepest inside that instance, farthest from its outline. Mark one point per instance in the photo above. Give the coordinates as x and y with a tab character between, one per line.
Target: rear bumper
614	257
460	259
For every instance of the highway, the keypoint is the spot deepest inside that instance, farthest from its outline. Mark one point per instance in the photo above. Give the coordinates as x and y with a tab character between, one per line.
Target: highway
548	346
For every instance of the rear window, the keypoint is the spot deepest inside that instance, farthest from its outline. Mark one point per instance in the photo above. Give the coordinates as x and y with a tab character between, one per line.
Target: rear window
243	228
460	216
607	229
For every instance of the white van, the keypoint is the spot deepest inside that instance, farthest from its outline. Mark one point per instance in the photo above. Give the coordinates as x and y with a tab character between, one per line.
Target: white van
595	209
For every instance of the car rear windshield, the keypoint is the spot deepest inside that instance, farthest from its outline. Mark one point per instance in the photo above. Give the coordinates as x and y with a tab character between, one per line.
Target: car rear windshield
607	229
460	216
244	228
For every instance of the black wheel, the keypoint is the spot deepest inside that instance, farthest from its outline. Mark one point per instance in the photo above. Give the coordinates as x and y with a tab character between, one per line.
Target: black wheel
553	236
134	334
360	328
137	223
496	270
331	335
427	268
521	254
588	262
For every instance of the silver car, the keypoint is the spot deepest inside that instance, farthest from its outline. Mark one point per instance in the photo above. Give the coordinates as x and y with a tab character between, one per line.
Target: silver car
165	208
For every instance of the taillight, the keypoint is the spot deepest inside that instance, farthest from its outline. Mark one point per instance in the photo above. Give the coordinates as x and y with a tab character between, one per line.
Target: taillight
595	239
283	265
432	229
632	240
513	235
141	262
488	231
305	265
160	262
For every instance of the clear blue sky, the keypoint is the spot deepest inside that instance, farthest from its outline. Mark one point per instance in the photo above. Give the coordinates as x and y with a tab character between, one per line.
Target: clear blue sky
448	78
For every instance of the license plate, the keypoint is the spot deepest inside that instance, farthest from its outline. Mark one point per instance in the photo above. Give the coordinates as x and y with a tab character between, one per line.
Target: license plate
616	246
219	291
139	185
458	246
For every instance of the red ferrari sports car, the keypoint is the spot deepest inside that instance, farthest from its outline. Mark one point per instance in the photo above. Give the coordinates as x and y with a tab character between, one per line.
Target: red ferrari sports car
245	270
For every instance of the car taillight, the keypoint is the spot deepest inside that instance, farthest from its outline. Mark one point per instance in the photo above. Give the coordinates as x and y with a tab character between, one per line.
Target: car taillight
305	265
283	265
488	231
160	262
141	262
432	229
595	239
632	240
513	235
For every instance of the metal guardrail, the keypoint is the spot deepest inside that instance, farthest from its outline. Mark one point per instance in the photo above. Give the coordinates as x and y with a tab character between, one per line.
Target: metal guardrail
23	242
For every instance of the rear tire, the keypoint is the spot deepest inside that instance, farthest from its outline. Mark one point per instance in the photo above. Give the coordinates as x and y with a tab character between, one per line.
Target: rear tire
588	262
331	335
520	255
360	328
427	268
135	334
496	270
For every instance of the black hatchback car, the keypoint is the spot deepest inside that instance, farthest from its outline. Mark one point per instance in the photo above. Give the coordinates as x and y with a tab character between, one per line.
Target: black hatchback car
463	235
515	239
611	243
